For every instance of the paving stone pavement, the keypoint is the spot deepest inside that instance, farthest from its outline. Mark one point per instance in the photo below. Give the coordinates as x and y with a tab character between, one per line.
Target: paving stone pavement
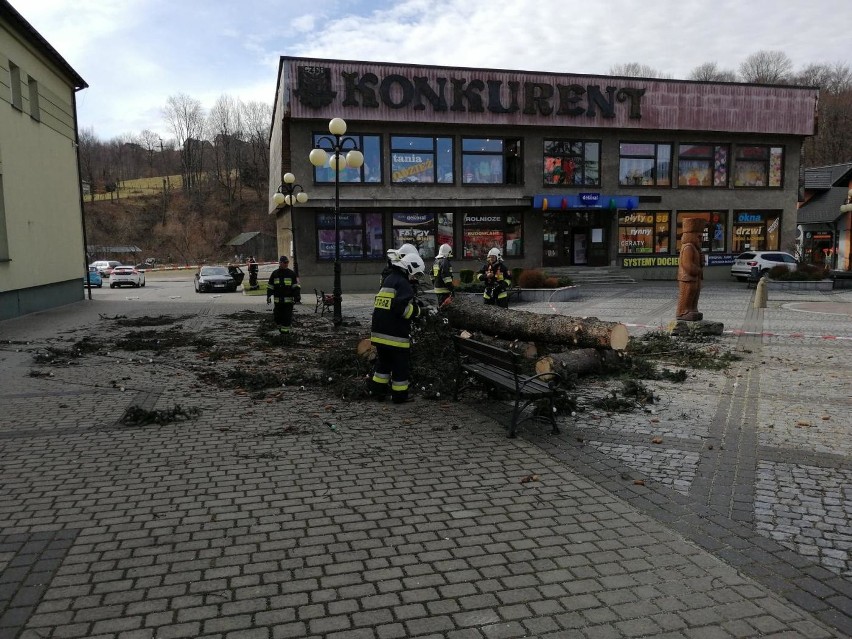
281	520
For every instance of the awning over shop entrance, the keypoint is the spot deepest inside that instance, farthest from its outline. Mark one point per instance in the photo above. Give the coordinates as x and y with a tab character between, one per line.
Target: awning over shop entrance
551	201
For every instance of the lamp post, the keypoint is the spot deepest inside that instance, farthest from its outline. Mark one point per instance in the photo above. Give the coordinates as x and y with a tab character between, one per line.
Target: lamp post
337	144
290	193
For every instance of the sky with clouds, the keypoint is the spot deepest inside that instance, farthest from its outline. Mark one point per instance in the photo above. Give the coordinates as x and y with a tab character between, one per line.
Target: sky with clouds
134	54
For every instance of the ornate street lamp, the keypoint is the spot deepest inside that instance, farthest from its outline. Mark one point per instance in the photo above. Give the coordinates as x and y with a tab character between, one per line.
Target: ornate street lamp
289	193
336	145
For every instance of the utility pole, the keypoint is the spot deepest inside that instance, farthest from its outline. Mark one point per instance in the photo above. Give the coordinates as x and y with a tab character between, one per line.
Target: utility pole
165	190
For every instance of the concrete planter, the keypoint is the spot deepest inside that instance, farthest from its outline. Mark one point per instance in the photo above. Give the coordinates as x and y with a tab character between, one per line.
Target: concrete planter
561	294
813	285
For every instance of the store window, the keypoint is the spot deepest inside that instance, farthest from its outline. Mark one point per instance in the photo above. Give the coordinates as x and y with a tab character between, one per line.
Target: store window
491	161
370	171
645	164
426	231
360	236
759	166
702	165
756	231
572	162
421	160
484	231
715	230
643	232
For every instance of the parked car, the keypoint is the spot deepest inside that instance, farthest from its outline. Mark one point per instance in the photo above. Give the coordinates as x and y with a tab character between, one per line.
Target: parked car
126	276
93	278
763	260
105	266
214	278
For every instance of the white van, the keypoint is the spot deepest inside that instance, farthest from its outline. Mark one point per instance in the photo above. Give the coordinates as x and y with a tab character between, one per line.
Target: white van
104	267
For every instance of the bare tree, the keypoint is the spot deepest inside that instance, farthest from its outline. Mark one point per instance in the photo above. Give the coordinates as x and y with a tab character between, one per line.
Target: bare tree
224	125
88	149
185	118
150	143
710	72
832	78
767	67
636	70
254	171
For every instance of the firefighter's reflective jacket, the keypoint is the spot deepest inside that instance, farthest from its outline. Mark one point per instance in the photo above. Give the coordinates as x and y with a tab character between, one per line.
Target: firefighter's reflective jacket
393	310
442	276
284	286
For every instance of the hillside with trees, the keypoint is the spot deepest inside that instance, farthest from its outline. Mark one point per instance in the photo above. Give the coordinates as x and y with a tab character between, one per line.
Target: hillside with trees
181	199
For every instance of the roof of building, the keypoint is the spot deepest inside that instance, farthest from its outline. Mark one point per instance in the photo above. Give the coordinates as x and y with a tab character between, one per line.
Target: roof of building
242	238
7	12
829	187
825	177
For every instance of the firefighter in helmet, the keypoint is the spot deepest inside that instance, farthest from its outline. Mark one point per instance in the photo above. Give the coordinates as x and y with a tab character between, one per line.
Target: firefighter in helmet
497	278
393	310
285	288
442	274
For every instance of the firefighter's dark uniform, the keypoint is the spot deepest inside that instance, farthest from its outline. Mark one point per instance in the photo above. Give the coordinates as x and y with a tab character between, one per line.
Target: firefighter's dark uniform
394	308
442	278
253	270
285	289
497	280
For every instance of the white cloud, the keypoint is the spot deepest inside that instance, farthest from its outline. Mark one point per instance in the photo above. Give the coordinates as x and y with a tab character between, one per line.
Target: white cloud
136	53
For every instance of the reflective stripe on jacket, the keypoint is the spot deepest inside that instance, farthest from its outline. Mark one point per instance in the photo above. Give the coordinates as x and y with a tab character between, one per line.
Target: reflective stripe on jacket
283	285
393	310
442	276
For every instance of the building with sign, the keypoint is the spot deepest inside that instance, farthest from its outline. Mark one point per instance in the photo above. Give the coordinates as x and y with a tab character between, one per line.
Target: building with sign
557	170
825	219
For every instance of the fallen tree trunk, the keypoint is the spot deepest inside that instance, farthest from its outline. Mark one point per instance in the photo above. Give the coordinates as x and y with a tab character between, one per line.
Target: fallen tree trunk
582	361
469	312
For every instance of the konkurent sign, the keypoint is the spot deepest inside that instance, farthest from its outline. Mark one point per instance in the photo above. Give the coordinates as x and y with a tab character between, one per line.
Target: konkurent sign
474	95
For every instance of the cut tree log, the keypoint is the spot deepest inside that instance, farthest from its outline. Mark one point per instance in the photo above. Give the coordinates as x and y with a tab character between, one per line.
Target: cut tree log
365	349
469	312
582	361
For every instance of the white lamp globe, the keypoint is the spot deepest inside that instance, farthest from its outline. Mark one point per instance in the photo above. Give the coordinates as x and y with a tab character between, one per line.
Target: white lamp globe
278	199
318	157
288	200
337	126
301	197
337	162
289	178
354	158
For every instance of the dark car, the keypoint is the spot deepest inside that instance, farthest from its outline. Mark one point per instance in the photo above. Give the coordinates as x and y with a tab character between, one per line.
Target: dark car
214	278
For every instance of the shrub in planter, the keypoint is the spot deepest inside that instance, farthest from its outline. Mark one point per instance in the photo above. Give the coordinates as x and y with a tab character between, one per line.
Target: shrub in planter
566	281
803	273
551	282
516	274
466	275
531	278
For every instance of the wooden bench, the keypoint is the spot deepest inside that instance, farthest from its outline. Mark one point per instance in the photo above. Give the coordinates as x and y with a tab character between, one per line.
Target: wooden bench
501	368
325	301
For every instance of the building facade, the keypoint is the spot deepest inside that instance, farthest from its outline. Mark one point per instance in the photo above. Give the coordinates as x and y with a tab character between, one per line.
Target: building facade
42	255
557	170
825	217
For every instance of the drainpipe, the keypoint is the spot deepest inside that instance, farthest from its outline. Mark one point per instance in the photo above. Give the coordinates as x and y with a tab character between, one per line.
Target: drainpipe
80	192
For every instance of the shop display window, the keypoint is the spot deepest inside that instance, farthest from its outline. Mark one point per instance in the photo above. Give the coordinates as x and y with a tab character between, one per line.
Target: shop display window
426	231
702	165
715	230
491	161
756	231
643	232
645	164
572	162
759	166
421	160
484	231
369	172
361	236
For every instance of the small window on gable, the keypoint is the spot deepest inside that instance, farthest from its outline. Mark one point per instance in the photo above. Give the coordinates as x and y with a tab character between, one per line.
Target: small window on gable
35	111
15	83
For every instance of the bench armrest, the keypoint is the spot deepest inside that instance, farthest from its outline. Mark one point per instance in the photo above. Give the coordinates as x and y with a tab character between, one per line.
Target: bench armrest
554	379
